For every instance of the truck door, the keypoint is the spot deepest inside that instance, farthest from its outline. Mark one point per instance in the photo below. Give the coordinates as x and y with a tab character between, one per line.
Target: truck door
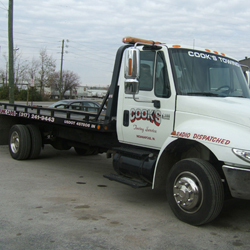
147	118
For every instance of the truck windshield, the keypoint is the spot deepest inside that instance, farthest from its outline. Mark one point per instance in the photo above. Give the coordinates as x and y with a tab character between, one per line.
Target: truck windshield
203	73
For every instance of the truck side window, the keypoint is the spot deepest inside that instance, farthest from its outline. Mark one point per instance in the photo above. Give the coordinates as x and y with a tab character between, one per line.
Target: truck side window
153	73
162	85
146	70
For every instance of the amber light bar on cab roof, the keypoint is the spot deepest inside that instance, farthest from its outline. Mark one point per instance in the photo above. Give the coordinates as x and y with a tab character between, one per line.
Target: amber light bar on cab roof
134	40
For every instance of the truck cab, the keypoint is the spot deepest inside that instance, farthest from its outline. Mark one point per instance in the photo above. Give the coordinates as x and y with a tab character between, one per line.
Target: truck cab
187	109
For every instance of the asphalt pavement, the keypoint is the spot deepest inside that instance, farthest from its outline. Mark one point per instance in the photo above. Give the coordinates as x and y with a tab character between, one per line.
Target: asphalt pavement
61	201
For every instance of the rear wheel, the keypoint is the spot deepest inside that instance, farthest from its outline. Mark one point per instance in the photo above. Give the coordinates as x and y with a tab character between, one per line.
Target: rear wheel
195	191
19	142
36	141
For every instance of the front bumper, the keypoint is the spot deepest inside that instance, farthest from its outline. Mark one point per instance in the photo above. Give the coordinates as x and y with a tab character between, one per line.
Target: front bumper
238	180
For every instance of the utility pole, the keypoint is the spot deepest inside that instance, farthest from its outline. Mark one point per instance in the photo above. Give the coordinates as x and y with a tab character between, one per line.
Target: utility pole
15	73
61	69
10	37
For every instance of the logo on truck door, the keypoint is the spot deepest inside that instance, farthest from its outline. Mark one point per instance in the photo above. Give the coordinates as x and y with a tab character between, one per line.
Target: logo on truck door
153	116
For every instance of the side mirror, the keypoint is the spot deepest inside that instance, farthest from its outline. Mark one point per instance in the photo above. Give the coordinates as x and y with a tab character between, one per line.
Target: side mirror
131	86
132	70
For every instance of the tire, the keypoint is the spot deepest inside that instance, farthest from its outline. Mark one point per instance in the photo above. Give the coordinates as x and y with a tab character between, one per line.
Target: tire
195	191
19	142
36	141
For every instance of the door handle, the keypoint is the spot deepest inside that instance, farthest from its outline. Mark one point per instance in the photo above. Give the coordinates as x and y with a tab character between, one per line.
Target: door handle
126	118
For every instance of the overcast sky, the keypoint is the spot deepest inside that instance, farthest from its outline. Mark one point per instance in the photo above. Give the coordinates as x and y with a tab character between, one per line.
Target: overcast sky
94	29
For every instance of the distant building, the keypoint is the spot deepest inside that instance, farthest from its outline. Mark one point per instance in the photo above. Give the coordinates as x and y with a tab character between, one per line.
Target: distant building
246	62
79	93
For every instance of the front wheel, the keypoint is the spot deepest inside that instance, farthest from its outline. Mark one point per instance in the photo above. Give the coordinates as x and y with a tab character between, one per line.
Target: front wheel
195	191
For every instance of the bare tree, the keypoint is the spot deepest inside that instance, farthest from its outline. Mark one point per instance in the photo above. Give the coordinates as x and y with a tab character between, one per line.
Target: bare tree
2	77
70	81
47	67
33	69
20	68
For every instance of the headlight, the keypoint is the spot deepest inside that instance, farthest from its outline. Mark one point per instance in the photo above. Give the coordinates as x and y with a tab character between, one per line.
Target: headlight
243	154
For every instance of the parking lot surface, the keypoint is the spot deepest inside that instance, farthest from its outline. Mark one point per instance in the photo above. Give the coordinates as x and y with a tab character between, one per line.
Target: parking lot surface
61	201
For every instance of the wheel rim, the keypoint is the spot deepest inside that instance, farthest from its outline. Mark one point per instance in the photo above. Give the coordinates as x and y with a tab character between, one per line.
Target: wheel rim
188	192
14	142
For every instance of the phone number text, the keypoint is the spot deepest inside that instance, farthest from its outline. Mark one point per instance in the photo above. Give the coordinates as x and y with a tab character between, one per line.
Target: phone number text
37	117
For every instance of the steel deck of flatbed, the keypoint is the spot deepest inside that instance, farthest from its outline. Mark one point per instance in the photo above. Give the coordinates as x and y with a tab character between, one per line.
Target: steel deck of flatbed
79	119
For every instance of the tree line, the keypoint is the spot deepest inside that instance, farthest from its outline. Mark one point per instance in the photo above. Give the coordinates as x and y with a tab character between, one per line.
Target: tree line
42	72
